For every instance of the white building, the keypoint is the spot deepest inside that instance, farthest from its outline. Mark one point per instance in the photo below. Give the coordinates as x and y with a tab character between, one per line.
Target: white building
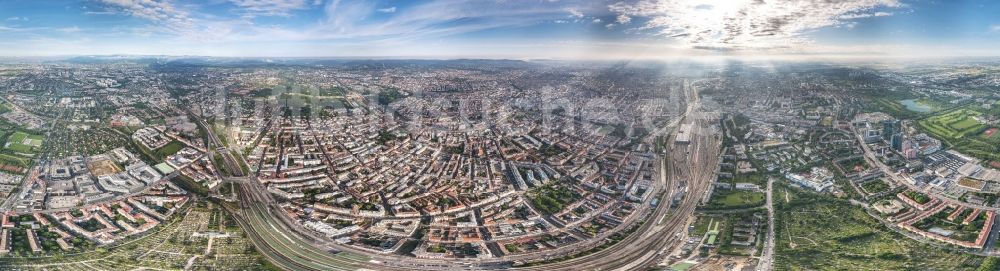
818	179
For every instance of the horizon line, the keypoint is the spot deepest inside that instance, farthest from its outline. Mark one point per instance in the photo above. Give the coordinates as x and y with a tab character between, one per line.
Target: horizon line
764	57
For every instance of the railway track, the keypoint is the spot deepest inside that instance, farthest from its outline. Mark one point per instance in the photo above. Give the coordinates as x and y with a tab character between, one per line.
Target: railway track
639	250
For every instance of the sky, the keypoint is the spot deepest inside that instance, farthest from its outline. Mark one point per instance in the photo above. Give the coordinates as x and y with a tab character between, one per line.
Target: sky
517	29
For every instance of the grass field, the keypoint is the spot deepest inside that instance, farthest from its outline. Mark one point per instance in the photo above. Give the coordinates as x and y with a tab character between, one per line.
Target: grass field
681	266
170	149
965	124
24	143
875	186
14	160
954	124
735	199
700	225
819	232
959	129
754	178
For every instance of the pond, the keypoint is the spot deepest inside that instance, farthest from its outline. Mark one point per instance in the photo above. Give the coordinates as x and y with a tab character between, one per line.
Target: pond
916	106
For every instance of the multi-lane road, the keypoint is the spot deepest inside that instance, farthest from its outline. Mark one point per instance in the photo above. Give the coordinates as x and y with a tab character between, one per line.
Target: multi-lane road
766	262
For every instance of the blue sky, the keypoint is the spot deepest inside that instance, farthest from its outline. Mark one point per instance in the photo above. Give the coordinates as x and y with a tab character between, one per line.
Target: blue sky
501	28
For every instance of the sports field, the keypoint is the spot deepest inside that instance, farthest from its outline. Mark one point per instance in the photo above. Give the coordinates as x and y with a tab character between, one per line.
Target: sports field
989	132
170	149
962	129
953	124
24	143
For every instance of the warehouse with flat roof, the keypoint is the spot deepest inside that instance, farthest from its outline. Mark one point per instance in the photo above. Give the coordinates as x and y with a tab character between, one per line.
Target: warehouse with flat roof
684	134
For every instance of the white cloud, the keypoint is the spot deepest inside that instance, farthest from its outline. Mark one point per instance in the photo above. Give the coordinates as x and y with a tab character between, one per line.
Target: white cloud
253	8
18	29
341	24
623	19
574	13
71	29
100	13
171	18
995	28
17	19
344	20
736	24
851	16
433	19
